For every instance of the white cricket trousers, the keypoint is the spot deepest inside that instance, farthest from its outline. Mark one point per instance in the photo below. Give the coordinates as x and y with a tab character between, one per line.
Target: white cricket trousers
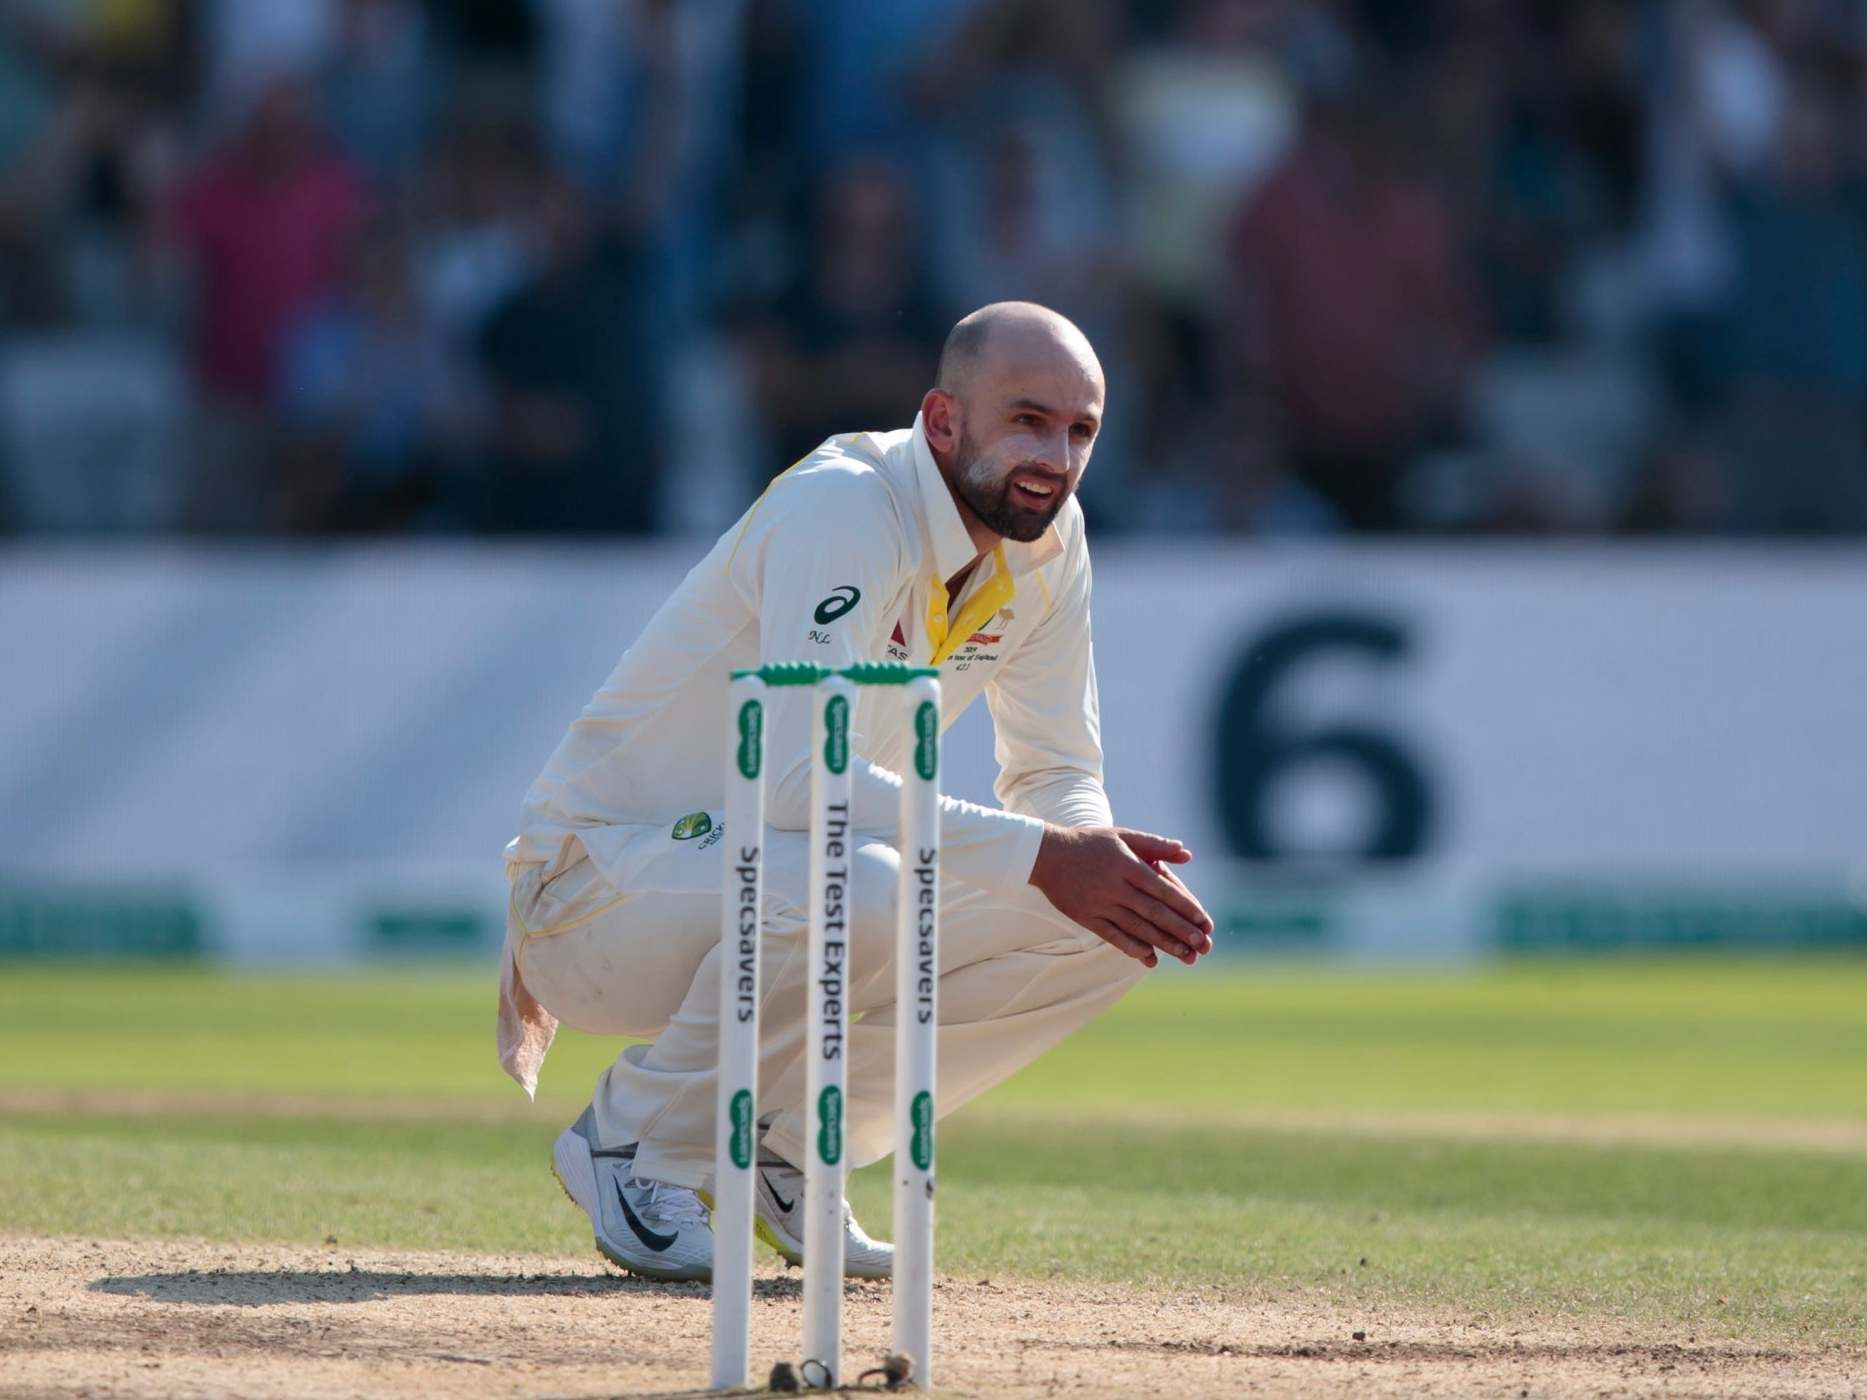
1016	977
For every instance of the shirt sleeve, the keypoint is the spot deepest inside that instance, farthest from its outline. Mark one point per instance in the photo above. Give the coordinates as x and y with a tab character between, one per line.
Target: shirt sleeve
822	553
1045	715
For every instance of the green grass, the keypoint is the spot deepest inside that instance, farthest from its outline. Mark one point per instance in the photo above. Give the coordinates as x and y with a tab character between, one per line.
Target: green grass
1129	1154
1735	1038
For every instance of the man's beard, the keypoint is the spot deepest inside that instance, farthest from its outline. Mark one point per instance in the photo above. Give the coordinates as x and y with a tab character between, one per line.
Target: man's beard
989	498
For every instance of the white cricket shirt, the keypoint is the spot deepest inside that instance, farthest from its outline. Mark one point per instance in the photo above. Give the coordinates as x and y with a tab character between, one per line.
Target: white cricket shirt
843	559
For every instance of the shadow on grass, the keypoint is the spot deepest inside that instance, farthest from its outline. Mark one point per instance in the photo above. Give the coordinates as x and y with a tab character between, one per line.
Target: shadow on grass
258	1288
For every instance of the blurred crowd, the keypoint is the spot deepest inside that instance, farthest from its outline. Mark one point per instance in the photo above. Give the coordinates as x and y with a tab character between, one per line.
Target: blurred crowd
543	266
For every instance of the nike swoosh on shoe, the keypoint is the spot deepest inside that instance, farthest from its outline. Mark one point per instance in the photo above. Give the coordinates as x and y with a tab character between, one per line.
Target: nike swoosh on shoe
655	1242
783	1204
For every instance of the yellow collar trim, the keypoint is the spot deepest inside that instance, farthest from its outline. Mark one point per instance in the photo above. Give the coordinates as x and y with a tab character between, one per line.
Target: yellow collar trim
945	633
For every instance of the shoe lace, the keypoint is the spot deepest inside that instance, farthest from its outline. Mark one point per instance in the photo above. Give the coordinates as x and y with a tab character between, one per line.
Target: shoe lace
675	1205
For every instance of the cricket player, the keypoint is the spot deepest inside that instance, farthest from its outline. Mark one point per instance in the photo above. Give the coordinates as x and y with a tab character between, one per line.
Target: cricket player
955	543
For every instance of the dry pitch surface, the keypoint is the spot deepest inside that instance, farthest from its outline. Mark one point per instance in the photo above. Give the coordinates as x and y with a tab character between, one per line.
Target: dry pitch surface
108	1319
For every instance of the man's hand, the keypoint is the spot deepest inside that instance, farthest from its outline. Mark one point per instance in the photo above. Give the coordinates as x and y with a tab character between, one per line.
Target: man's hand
1115	883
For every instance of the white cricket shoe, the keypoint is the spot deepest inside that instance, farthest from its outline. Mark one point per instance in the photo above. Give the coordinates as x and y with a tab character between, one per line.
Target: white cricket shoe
778	1205
650	1228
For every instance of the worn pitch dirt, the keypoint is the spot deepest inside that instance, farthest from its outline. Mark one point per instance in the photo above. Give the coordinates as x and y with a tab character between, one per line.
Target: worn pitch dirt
107	1319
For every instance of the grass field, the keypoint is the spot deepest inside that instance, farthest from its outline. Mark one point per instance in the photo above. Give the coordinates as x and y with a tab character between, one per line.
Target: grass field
1669	1144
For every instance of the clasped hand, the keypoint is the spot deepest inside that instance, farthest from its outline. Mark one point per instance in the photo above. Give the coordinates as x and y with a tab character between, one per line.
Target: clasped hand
1118	884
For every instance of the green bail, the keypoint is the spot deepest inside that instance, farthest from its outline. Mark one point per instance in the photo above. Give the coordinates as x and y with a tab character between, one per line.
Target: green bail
787	673
862	673
886	672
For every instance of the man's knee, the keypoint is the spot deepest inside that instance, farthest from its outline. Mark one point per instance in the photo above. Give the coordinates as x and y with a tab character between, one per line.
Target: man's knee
874	871
1023	917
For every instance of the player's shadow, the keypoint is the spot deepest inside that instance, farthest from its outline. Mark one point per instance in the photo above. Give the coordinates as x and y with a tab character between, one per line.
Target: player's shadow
258	1288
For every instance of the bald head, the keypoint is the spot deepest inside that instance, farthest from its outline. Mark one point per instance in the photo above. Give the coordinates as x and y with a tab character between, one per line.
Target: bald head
1014	417
1009	333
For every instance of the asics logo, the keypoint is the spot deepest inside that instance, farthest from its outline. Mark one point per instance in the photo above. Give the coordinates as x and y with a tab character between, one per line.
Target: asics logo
840	601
